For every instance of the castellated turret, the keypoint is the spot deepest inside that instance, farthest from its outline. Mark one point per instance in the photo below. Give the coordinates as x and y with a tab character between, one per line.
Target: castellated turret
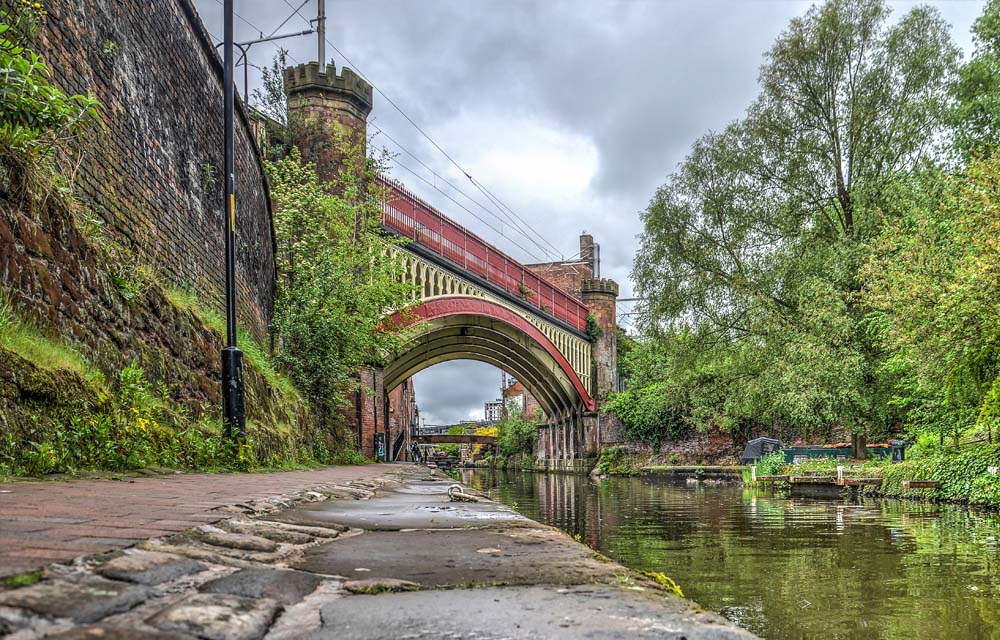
319	101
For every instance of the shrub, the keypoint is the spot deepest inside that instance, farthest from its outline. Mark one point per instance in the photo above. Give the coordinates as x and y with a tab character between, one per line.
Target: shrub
36	118
963	475
650	414
338	275
517	435
771	465
615	461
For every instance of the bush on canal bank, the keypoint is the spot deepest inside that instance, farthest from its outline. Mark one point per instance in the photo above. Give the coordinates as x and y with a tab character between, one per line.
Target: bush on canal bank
964	476
618	461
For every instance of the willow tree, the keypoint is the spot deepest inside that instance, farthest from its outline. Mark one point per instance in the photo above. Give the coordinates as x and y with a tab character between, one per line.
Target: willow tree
758	237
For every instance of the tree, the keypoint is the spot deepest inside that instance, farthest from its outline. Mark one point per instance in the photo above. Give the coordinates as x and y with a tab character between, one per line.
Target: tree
976	115
755	243
933	278
338	275
517	434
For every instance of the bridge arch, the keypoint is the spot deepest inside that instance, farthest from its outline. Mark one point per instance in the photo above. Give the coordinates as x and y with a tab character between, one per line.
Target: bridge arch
472	328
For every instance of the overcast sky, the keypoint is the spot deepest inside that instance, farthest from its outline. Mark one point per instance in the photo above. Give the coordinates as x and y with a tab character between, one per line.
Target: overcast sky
571	112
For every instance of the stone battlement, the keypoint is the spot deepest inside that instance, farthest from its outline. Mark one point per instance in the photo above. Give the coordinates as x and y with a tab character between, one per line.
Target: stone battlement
599	285
308	76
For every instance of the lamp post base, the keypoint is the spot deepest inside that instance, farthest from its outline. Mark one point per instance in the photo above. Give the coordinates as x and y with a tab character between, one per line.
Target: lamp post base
233	406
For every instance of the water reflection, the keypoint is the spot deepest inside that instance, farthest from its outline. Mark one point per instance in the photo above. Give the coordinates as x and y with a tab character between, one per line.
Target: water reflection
785	568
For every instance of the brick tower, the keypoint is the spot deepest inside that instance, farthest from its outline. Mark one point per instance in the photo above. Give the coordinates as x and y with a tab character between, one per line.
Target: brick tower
601	297
318	104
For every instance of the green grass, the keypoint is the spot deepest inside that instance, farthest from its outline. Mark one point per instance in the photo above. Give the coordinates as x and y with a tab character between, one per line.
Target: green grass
140	426
23	579
182	298
255	354
44	352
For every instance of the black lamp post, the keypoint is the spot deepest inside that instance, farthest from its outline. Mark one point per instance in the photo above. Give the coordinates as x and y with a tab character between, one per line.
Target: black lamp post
233	408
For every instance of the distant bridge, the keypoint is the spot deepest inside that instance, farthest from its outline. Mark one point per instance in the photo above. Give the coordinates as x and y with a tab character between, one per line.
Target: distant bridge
464	438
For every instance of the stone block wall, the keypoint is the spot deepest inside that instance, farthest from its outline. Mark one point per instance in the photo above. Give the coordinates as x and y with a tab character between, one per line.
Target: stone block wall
319	101
152	167
600	296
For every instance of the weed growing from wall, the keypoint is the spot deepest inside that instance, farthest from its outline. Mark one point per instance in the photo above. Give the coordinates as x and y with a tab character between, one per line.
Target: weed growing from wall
37	120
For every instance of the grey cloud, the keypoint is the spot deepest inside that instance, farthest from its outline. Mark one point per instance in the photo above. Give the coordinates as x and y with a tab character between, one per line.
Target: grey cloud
450	392
640	80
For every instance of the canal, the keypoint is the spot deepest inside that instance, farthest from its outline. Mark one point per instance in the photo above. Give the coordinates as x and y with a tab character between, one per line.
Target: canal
785	568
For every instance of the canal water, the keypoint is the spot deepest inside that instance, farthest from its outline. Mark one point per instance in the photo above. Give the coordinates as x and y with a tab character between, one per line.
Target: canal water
785	568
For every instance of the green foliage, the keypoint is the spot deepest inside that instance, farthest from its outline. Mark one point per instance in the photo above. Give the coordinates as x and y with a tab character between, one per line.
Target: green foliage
450	449
23	579
666	582
615	461
338	275
130	423
771	465
129	275
32	110
651	414
524	291
140	427
931	280
976	113
36	118
258	356
46	352
752	250
963	475
594	329
518	435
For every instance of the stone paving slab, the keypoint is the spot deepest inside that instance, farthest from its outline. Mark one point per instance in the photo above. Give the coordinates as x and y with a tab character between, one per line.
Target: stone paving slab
43	522
403	508
216	616
521	613
87	600
148	567
281	585
461	557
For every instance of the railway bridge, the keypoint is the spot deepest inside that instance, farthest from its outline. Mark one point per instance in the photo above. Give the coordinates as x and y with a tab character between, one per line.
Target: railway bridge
551	325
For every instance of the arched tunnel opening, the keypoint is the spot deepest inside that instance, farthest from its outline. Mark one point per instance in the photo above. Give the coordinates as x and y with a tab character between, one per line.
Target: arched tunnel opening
463	357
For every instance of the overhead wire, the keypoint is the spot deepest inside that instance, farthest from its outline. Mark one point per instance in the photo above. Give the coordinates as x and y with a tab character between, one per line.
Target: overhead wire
290	16
499	204
459	204
261	31
437	175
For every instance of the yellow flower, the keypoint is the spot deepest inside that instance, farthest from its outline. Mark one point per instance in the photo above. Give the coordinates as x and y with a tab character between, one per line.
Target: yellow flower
37	5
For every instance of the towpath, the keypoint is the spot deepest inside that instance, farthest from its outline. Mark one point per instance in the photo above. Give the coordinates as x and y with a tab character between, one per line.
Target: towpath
353	553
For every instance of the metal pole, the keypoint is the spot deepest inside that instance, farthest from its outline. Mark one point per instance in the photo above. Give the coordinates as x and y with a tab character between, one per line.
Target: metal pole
245	57
233	409
321	30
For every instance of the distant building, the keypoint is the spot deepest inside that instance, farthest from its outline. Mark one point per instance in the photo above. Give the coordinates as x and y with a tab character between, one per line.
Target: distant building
494	411
517	399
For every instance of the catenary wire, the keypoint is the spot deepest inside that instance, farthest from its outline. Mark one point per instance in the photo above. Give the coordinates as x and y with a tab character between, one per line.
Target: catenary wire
493	199
459	204
453	186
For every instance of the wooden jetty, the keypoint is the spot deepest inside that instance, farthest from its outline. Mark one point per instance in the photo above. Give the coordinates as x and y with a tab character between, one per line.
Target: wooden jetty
921	484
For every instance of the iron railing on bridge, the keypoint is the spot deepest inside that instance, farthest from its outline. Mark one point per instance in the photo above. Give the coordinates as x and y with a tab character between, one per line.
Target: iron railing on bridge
407	214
